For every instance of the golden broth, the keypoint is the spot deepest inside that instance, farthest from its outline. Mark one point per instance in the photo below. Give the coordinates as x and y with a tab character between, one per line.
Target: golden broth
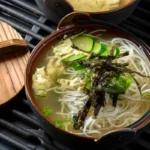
51	101
98	5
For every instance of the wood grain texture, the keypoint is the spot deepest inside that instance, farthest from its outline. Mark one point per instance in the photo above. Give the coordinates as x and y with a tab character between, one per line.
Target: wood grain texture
12	63
9	37
13	42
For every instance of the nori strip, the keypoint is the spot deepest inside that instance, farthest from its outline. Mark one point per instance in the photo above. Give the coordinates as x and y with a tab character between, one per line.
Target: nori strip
115	98
100	102
104	71
78	119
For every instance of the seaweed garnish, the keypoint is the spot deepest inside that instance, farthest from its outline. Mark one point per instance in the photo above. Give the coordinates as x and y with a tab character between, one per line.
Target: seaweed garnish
104	71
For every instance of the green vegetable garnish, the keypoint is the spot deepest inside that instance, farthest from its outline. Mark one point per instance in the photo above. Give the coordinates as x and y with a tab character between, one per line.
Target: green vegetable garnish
89	85
82	71
116	52
108	49
61	123
78	67
46	111
121	82
89	75
74	58
84	42
98	48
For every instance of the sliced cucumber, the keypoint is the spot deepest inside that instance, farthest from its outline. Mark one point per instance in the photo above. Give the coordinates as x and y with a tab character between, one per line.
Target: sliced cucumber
116	52
107	51
86	57
83	42
103	48
74	58
98	48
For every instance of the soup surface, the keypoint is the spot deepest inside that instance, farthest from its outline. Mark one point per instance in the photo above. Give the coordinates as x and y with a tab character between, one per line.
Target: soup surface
90	84
97	5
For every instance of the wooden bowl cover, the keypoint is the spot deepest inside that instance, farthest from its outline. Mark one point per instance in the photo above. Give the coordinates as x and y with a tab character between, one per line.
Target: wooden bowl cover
14	55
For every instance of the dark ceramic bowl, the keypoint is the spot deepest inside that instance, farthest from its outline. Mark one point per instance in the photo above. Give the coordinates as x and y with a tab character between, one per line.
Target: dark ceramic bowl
110	140
56	9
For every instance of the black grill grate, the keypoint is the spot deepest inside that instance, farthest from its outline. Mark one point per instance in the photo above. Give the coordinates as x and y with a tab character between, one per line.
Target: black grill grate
19	129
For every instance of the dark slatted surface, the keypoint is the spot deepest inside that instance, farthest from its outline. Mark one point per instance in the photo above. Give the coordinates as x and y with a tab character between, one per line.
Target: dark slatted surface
139	22
19	129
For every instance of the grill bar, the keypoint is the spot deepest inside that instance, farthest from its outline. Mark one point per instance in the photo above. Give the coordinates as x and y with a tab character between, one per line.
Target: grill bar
26	5
24	117
48	146
144	24
143	11
36	29
31	46
26	17
143	144
136	31
20	26
146	1
15	143
147	131
14	128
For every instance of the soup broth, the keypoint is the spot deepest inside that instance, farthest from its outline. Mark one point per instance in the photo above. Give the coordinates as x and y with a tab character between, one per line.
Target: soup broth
98	5
63	81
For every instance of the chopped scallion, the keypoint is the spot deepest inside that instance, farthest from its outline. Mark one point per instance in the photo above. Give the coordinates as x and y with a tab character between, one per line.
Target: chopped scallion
46	111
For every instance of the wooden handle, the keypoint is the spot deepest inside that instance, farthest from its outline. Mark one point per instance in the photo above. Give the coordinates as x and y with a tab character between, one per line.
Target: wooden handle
10	45
13	42
69	19
9	37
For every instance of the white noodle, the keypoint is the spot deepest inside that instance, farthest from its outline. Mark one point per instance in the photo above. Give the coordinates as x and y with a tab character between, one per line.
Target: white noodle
127	110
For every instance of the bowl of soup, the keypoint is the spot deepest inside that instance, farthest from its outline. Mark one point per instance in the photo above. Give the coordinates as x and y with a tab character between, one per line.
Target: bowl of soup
89	83
114	11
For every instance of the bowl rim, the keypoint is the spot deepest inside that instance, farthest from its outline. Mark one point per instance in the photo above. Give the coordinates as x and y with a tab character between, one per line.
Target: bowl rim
136	125
102	12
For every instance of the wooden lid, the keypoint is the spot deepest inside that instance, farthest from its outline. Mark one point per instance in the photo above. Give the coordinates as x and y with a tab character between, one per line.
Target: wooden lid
14	55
